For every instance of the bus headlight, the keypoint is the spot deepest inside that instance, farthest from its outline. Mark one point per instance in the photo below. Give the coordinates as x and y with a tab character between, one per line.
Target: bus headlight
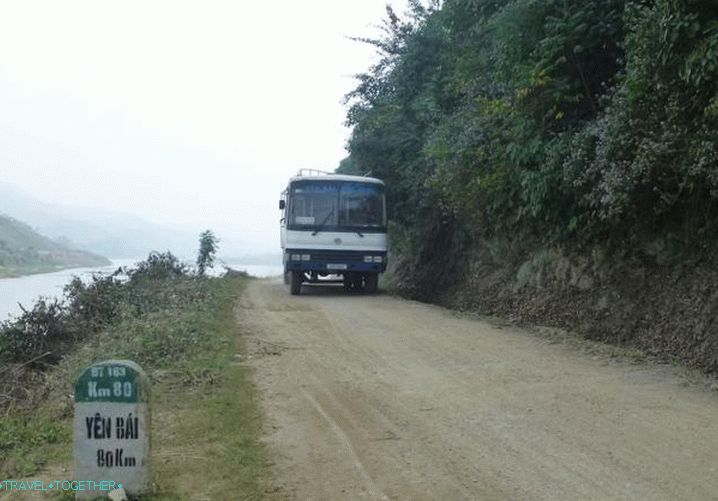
306	257
367	259
378	259
295	257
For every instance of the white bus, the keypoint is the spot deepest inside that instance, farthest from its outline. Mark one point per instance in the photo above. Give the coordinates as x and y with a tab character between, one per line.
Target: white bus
333	225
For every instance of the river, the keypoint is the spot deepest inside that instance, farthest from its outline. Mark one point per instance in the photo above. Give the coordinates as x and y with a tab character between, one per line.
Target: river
24	290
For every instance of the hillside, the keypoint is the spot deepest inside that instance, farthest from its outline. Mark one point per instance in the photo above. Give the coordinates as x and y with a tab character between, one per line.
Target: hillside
552	162
24	251
106	232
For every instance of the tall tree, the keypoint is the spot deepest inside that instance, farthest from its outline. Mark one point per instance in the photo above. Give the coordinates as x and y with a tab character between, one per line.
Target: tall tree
208	246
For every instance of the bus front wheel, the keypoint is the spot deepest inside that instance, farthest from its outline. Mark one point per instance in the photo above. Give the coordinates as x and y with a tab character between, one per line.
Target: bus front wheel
371	283
295	282
353	282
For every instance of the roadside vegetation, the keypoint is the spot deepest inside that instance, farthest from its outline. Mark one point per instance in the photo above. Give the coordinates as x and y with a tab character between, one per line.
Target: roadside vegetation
559	118
553	161
179	326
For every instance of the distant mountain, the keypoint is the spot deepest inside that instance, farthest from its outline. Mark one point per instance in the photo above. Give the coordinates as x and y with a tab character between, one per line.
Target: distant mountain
109	233
24	251
104	232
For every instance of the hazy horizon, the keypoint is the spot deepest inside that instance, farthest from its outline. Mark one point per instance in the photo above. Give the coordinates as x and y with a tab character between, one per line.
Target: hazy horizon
190	116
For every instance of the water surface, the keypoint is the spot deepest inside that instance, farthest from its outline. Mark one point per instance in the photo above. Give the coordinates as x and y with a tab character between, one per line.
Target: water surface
25	290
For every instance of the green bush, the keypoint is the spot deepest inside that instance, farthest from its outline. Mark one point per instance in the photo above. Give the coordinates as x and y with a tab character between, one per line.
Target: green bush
161	283
35	332
555	119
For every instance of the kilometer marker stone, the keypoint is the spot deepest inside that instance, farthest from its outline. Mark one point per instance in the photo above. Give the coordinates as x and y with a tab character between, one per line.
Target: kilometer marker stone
112	428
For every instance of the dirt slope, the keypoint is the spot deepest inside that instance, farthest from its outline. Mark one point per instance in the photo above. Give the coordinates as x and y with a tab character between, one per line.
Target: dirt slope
383	398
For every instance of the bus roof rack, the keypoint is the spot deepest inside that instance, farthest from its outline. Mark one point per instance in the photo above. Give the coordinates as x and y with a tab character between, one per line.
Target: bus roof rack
312	172
317	172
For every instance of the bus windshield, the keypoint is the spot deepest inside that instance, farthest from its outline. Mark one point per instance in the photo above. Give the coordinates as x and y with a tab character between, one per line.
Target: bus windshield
336	205
361	204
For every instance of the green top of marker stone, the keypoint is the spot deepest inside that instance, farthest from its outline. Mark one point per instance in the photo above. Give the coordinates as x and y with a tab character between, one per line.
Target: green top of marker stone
118	381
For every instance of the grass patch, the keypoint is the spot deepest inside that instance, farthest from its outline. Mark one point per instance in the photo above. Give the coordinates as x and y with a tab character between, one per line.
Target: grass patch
27	441
207	425
205	420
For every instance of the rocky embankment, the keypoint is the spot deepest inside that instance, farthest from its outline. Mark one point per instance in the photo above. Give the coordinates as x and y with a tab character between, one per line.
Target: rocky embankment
666	308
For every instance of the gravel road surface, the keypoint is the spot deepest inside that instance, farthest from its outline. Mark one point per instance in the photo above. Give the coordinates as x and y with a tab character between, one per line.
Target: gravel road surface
376	397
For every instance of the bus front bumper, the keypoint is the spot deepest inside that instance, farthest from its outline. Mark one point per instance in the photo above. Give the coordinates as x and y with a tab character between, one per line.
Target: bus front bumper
335	262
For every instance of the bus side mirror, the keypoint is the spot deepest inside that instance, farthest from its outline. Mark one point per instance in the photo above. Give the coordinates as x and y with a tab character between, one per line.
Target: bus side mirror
281	205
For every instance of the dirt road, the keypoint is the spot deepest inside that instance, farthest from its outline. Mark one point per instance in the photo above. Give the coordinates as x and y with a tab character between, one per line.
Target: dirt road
374	397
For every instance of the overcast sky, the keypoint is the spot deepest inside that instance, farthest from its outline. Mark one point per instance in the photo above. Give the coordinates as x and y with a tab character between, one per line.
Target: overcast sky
190	114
